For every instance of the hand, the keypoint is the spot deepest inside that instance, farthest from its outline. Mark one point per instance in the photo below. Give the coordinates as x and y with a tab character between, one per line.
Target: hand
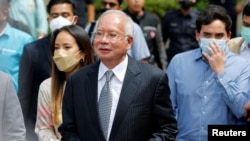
217	58
246	111
239	8
41	35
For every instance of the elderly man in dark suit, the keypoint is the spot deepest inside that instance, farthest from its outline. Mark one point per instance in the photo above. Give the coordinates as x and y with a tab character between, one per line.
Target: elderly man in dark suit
136	104
35	64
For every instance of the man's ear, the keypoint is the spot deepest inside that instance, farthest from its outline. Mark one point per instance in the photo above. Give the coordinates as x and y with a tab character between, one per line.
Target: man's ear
197	35
229	35
120	7
129	41
75	19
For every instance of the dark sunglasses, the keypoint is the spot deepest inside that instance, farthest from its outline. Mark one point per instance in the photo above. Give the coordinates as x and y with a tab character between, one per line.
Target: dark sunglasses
111	4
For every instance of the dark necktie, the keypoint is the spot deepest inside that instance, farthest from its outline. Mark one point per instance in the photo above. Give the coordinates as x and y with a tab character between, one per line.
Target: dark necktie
105	104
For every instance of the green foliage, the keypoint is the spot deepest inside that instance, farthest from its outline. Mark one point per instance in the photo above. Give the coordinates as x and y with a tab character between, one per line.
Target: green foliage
159	6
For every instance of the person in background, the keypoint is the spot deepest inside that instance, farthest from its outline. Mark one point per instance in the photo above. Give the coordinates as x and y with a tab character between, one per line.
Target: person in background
178	27
81	7
247	111
151	27
19	25
12	42
138	106
139	49
11	118
35	65
241	45
208	80
233	8
71	50
31	13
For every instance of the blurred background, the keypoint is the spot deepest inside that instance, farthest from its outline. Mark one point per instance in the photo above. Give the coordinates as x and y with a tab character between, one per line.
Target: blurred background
161	6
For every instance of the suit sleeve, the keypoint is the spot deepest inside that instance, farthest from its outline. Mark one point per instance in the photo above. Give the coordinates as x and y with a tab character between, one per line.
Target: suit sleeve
160	48
13	124
68	129
25	79
165	122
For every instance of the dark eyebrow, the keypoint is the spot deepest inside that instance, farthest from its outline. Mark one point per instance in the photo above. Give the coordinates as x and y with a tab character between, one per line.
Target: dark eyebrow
206	33
219	34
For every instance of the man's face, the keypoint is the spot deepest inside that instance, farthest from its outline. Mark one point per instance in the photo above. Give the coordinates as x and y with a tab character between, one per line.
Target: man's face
246	21
135	6
64	10
110	40
214	30
4	10
110	4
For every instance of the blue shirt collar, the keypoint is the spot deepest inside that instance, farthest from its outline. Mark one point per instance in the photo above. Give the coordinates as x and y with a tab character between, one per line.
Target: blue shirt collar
6	30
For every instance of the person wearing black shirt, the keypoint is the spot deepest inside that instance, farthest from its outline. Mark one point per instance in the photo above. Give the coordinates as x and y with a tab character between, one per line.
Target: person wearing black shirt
178	26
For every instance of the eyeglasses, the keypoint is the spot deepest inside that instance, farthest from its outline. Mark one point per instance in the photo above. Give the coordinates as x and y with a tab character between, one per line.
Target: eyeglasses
111	4
111	36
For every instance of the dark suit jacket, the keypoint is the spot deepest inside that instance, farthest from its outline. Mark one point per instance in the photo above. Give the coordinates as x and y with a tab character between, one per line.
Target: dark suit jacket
144	109
35	66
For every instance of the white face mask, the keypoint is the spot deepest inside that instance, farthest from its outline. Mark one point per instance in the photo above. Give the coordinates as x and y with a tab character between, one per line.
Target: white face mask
59	22
65	60
205	42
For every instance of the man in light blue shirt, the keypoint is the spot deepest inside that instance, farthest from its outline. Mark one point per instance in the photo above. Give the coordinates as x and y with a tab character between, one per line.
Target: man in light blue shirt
12	42
209	85
31	13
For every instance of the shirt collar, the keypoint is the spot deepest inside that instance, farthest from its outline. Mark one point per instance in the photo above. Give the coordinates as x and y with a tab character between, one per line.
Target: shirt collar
244	46
6	31
119	71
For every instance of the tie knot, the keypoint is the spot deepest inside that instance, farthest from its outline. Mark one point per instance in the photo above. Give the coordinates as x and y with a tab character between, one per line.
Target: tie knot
109	74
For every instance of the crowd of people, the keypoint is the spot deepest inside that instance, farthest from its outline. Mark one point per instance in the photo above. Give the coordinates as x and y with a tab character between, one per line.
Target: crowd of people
127	75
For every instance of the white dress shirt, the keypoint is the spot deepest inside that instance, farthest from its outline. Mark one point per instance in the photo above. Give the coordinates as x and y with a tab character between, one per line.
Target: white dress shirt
115	85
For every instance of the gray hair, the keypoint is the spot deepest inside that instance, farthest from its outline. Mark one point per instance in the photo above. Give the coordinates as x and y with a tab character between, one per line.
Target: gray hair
129	28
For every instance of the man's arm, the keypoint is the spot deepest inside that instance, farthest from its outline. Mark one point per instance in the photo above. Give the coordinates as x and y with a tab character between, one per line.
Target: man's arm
41	19
163	113
25	79
91	12
13	123
240	6
68	127
160	48
139	49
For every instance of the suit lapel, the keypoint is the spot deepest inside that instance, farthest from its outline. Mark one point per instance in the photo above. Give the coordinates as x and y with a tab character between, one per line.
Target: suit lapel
92	96
130	85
